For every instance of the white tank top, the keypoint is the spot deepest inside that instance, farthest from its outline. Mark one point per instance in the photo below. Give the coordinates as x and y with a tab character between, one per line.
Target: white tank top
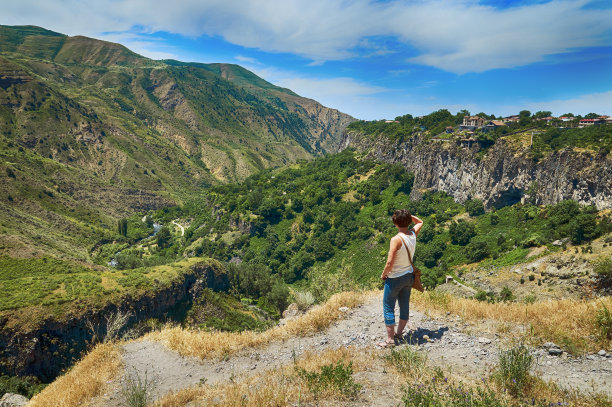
401	265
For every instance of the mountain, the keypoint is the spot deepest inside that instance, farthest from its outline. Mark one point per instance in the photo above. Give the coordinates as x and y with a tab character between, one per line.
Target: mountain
91	132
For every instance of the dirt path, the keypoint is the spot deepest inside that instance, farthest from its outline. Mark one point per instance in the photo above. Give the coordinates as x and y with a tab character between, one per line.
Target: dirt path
448	342
180	227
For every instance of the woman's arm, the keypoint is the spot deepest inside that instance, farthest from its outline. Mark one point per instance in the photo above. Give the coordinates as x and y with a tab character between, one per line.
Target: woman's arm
418	224
393	248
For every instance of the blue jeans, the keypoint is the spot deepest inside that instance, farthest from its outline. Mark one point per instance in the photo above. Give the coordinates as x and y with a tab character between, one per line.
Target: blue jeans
397	289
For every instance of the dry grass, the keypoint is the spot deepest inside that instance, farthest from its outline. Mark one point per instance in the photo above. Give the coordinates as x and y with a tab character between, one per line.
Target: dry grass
86	380
283	386
211	344
568	321
275	387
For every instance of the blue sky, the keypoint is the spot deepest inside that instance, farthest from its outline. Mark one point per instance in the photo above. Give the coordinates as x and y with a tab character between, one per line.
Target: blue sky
372	59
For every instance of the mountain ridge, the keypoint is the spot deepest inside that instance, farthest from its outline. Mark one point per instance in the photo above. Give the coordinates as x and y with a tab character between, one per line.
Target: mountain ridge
115	123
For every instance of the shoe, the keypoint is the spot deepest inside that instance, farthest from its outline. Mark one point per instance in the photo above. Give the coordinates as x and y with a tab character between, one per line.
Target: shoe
386	344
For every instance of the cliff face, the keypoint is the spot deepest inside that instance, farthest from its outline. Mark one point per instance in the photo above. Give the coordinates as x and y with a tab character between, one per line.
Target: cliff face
54	344
503	176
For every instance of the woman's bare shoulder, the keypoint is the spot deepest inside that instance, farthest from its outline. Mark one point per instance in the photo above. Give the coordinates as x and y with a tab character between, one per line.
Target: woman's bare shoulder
396	240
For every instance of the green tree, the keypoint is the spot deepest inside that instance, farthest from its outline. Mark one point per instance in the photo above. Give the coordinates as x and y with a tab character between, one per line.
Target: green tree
476	251
122	226
164	238
524	117
542	114
461	232
474	207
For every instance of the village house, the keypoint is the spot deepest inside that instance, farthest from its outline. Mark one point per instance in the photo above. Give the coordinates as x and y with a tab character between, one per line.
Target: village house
493	124
511	119
590	122
566	118
472	123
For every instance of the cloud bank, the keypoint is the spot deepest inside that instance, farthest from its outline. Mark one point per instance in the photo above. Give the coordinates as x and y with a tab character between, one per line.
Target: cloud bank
455	36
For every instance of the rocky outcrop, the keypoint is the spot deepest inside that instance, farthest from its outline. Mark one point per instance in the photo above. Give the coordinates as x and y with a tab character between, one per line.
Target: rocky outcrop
55	344
13	400
503	175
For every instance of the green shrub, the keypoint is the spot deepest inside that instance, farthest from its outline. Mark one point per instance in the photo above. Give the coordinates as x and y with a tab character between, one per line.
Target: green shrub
474	207
603	272
506	294
26	386
441	393
488	296
136	390
303	299
514	366
603	322
476	251
530	298
406	359
461	232
336	378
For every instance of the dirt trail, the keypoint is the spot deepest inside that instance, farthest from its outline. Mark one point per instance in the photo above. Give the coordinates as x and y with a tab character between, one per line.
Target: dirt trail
452	345
180	227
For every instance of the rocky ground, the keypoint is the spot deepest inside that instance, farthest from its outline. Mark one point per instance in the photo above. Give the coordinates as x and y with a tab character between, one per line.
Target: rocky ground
463	349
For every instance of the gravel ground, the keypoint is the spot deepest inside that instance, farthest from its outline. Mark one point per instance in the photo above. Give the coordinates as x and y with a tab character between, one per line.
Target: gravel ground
449	343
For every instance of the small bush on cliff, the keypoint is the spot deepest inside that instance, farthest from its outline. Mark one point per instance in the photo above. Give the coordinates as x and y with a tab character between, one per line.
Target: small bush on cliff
26	386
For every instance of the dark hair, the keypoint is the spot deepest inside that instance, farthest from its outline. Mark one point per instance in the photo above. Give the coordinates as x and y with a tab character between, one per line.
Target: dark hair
402	218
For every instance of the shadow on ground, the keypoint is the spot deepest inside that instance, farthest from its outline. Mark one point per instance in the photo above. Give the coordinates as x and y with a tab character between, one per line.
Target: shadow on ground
417	337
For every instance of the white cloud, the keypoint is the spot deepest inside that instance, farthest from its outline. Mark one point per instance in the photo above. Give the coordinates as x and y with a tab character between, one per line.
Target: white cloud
249	60
456	36
590	103
348	95
147	46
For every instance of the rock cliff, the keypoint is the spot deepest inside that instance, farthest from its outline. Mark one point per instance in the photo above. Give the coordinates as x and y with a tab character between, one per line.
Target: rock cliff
503	175
55	343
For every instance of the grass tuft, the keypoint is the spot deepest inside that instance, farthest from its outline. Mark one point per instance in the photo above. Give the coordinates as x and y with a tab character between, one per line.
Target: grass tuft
603	323
514	366
406	359
335	379
136	390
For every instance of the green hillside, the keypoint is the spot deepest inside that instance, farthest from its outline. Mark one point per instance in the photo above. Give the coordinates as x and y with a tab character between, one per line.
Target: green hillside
327	222
91	132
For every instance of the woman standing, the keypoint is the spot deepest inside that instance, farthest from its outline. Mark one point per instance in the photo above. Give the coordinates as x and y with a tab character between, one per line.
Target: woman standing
398	273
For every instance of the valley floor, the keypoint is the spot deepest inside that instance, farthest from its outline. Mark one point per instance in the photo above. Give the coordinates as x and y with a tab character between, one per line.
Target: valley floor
466	351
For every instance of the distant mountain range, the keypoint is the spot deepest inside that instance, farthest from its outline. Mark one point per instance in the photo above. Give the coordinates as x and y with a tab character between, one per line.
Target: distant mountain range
90	131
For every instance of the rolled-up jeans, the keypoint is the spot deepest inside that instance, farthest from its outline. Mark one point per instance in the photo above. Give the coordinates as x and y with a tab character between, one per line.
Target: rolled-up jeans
397	289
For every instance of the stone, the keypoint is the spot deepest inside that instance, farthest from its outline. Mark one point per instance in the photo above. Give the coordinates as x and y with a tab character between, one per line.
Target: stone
484	340
555	351
558	243
343	309
426	337
549	345
13	400
602	353
292	311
